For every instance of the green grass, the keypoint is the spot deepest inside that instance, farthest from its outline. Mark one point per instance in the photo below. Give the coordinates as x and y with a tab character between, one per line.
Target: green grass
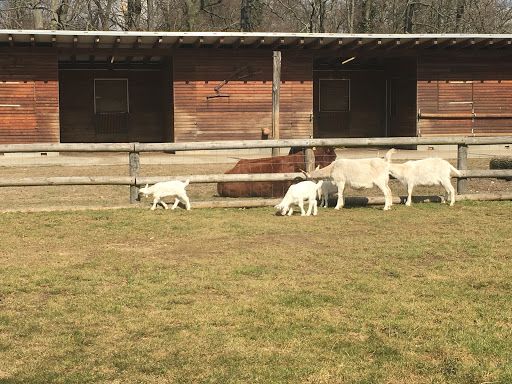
414	295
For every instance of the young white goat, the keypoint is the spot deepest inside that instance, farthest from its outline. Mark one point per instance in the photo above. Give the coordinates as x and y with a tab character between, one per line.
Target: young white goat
328	189
174	188
358	174
430	171
296	194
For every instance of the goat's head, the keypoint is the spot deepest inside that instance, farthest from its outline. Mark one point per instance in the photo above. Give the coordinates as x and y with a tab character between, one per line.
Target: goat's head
144	191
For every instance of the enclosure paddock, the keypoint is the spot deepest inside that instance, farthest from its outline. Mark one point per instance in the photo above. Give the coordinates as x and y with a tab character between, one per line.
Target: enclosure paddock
94	184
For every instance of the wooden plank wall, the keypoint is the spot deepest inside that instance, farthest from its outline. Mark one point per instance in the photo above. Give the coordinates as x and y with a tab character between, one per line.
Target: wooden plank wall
147	120
247	108
444	82
29	98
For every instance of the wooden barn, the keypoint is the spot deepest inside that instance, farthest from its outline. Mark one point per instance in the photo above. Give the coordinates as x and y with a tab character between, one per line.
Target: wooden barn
78	86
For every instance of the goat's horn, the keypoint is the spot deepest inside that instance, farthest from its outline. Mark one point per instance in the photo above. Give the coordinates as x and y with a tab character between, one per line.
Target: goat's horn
304	172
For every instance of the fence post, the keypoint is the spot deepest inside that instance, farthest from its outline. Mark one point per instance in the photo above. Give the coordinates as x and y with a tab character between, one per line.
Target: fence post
134	164
276	90
462	163
309	156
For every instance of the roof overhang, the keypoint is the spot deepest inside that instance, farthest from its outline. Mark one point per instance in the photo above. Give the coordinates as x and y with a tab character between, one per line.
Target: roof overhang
166	40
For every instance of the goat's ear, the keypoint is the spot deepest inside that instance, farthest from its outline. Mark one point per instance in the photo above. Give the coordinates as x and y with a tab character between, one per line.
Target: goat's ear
317	168
146	186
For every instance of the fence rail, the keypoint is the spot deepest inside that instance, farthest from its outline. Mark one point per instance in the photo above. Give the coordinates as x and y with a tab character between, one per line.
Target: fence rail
253	144
134	150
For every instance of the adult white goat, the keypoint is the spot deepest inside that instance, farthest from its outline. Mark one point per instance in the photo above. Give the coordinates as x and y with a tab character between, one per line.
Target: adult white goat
358	174
430	171
174	188
296	194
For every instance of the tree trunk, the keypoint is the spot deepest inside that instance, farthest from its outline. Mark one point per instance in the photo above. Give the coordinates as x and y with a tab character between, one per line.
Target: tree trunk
250	15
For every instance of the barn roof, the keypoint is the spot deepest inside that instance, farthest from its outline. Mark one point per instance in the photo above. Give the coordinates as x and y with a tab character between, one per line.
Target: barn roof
164	40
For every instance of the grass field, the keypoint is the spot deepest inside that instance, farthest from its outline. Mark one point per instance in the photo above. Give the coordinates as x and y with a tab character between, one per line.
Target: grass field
414	295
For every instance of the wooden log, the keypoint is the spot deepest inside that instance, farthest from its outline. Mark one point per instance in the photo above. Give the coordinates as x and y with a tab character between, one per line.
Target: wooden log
250	144
276	91
310	160
220	178
70	180
67	147
486	173
134	167
462	164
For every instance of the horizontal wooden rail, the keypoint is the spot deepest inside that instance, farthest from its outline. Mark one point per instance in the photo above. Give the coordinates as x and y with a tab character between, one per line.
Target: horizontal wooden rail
213	178
253	144
464	116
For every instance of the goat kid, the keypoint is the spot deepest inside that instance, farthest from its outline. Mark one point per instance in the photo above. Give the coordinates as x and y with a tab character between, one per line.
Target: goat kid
358	174
174	188
296	194
328	189
430	171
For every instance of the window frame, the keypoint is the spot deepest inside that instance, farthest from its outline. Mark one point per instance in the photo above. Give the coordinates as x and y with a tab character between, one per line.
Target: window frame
334	110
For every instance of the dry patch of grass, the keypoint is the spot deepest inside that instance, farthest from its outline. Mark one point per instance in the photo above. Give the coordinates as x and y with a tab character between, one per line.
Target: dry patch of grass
415	295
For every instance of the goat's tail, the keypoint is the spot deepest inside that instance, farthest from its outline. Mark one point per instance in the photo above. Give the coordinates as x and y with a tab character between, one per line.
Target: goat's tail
186	182
388	154
455	171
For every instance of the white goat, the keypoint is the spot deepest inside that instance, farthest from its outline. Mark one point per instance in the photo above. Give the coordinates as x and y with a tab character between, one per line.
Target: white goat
296	194
174	188
430	171
328	189
358	174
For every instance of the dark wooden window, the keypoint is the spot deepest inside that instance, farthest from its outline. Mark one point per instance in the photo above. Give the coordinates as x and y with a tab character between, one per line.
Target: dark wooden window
111	106
334	95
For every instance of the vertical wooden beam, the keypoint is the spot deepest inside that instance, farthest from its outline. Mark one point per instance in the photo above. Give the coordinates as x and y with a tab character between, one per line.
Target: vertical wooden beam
276	90
309	156
462	163
134	164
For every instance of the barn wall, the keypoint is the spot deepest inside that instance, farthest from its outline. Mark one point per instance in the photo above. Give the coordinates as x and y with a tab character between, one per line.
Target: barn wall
246	108
148	120
29	98
455	85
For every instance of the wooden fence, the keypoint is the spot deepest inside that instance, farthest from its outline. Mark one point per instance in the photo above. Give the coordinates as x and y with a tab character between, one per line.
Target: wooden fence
134	150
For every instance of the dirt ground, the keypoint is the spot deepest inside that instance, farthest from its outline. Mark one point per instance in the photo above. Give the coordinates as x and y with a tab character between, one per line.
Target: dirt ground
111	196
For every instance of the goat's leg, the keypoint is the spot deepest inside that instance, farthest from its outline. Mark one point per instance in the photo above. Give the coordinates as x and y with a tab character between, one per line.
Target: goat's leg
409	194
290	211
176	202
301	206
341	202
447	184
310	206
388	198
155	202
325	198
185	199
315	208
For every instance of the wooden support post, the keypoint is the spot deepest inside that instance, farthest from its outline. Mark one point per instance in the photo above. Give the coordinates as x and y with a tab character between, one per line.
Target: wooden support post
276	88
134	162
309	156
462	164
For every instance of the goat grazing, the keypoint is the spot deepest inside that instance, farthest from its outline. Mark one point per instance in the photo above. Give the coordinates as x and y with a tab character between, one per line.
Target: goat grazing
430	171
174	188
358	174
296	194
328	189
